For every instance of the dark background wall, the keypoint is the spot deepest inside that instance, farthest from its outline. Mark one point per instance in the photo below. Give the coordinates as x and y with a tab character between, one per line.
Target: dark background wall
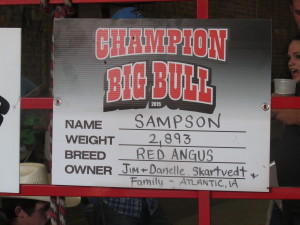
37	27
278	11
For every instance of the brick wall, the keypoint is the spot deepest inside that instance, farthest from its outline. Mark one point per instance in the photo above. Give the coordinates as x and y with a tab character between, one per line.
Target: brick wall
283	26
36	39
37	26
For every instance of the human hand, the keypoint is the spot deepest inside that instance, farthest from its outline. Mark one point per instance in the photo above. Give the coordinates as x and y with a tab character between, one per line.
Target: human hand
276	95
287	116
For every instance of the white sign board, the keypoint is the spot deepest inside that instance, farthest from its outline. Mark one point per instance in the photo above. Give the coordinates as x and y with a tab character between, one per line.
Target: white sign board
10	67
162	104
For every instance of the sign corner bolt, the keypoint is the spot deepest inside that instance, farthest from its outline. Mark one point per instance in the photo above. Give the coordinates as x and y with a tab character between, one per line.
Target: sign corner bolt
265	106
57	101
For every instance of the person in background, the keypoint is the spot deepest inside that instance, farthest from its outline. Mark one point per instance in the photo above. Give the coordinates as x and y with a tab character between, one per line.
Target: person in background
26	86
288	156
21	211
290	118
128	13
295	9
125	211
33	125
30	210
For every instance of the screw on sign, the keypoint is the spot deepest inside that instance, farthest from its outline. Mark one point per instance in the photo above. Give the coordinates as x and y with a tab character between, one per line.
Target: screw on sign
4	108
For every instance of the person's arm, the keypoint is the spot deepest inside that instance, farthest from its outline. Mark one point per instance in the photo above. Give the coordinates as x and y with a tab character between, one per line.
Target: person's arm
287	116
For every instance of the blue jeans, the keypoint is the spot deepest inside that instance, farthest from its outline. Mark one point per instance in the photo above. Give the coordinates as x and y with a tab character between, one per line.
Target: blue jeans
283	218
276	215
93	210
290	219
